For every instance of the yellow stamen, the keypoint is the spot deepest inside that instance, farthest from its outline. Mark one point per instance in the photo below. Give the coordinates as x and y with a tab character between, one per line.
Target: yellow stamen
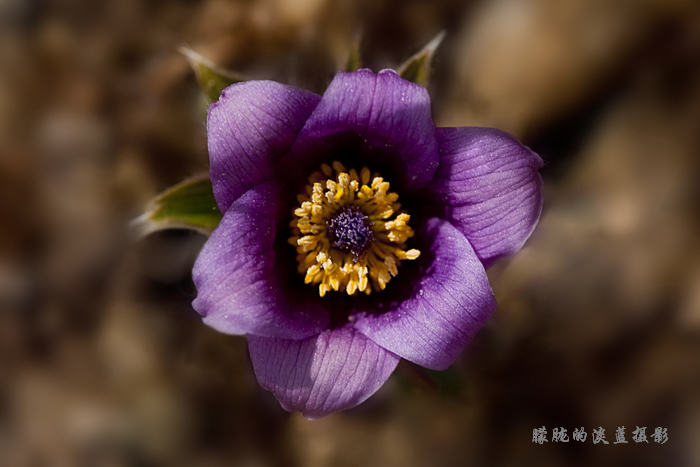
364	195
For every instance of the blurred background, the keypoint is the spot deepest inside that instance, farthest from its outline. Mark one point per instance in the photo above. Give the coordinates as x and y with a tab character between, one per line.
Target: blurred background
103	362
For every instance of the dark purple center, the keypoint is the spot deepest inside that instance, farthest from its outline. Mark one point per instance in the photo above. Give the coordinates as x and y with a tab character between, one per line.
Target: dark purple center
349	230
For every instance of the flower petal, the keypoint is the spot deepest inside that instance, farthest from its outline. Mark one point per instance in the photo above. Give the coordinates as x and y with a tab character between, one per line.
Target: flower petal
491	188
389	115
251	125
237	278
335	370
446	308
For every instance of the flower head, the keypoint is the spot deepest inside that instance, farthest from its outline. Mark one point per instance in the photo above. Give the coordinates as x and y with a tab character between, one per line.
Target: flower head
391	222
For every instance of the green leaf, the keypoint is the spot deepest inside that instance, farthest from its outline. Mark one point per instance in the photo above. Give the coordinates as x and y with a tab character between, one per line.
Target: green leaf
211	78
417	68
187	205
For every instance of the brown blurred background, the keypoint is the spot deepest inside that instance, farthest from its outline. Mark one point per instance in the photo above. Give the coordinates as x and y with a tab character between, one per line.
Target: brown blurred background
104	363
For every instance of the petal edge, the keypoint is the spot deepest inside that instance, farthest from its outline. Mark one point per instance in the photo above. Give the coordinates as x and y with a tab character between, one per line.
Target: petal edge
238	287
335	370
251	125
490	187
391	118
447	308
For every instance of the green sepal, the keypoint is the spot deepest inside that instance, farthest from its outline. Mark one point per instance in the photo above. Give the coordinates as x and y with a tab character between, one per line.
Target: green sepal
450	382
354	62
211	78
188	205
417	68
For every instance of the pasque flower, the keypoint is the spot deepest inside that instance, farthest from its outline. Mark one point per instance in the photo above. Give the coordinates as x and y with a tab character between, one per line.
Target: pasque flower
354	232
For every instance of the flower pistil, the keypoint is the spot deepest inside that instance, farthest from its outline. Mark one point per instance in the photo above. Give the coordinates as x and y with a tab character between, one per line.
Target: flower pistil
349	232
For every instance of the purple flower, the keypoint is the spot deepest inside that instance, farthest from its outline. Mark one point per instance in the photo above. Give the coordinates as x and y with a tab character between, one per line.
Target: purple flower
366	281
